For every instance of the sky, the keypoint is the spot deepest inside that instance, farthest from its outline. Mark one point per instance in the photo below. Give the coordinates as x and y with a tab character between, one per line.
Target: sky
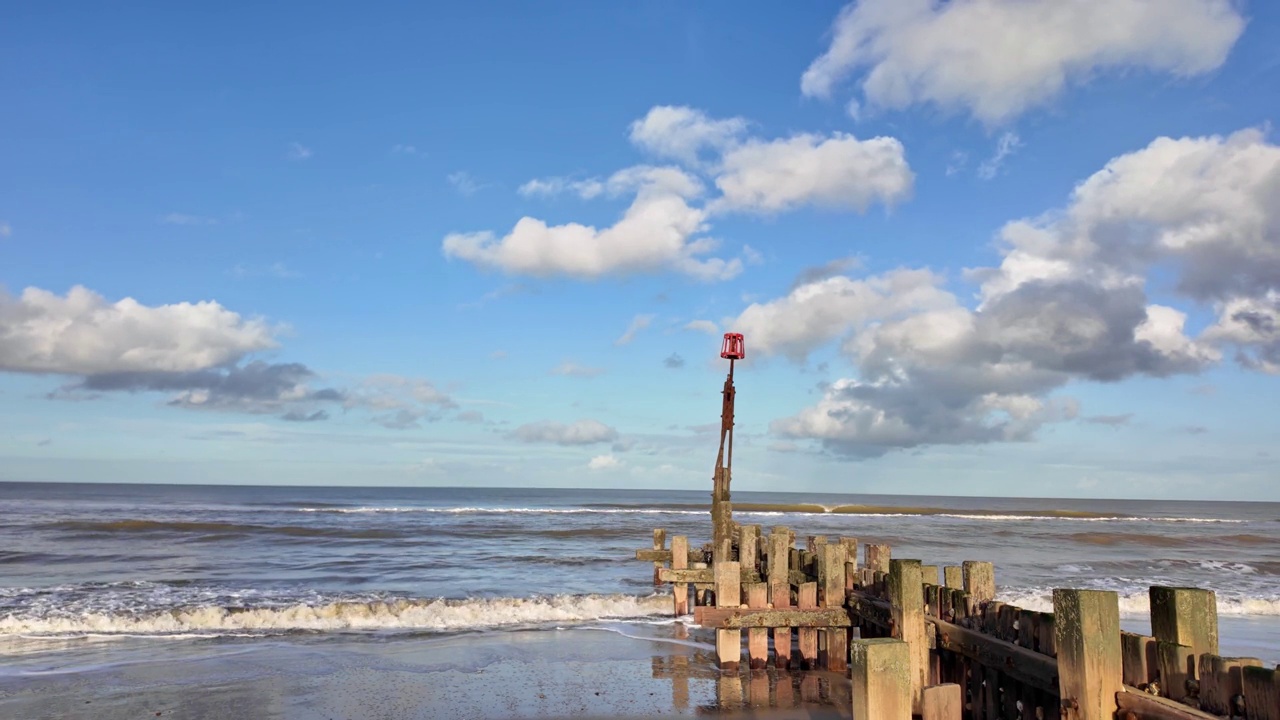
977	247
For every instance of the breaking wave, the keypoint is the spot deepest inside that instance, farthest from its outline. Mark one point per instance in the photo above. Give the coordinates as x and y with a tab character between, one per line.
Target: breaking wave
392	614
1138	603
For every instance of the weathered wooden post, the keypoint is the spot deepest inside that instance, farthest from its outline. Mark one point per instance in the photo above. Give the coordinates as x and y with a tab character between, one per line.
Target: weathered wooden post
881	674
953	577
757	638
906	600
1262	693
680	561
831	559
877	557
728	577
1185	616
659	544
942	702
930	574
780	591
1221	680
979	581
1087	624
1138	659
807	598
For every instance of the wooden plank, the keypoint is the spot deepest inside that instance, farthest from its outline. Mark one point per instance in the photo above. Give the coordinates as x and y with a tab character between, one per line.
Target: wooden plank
661	556
1134	654
1150	707
1088	643
1221	680
1185	616
728	594
672	575
680	591
1023	665
942	702
906	602
1176	664
758	637
808	635
870	610
1261	693
744	618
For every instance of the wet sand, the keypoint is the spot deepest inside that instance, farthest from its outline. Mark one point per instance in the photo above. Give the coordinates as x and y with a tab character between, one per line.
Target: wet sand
606	671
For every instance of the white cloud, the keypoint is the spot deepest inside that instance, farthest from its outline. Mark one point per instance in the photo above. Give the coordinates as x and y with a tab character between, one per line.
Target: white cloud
1007	145
997	58
464	183
638	323
399	149
655	233
84	334
5	229
298	151
572	369
583	432
682	133
603	462
705	326
552	186
1066	304
818	312
838	172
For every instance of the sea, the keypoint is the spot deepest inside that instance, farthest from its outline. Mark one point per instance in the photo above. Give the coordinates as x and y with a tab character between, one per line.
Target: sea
154	566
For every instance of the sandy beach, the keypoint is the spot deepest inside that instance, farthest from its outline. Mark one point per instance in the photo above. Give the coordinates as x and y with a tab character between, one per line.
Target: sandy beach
586	672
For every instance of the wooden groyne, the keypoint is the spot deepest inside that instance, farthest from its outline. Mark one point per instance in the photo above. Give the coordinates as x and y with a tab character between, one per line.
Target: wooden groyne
923	641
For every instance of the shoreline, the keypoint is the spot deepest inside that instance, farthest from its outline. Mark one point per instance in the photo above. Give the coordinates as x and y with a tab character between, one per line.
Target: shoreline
604	670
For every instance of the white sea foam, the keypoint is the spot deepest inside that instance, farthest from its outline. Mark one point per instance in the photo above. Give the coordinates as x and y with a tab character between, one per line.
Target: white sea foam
475	510
1138	603
391	614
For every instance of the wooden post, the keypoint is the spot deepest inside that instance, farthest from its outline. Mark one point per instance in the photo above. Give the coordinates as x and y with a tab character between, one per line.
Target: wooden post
906	599
757	638
877	557
780	591
979	581
659	543
1177	665
814	541
1136	652
728	594
1221	679
1087	624
929	574
808	636
1185	616
680	561
881	673
1262	693
941	702
749	547
953	577
831	559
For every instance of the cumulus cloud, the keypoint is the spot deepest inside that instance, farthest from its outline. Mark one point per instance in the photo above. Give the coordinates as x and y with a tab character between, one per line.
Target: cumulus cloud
300	416
839	172
829	269
997	58
82	333
583	432
665	227
603	462
682	133
1066	303
638	323
657	232
572	369
464	183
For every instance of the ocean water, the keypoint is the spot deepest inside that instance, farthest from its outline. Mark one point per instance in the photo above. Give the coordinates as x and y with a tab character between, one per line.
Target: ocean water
94	565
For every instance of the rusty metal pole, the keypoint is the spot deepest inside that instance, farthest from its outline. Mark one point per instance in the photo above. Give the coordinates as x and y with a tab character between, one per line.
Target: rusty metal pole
721	508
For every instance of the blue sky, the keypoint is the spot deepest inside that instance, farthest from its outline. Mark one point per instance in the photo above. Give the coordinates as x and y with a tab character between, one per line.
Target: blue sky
1005	248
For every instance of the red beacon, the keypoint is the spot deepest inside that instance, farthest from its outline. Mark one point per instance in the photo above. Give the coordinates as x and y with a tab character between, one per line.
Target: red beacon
734	348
